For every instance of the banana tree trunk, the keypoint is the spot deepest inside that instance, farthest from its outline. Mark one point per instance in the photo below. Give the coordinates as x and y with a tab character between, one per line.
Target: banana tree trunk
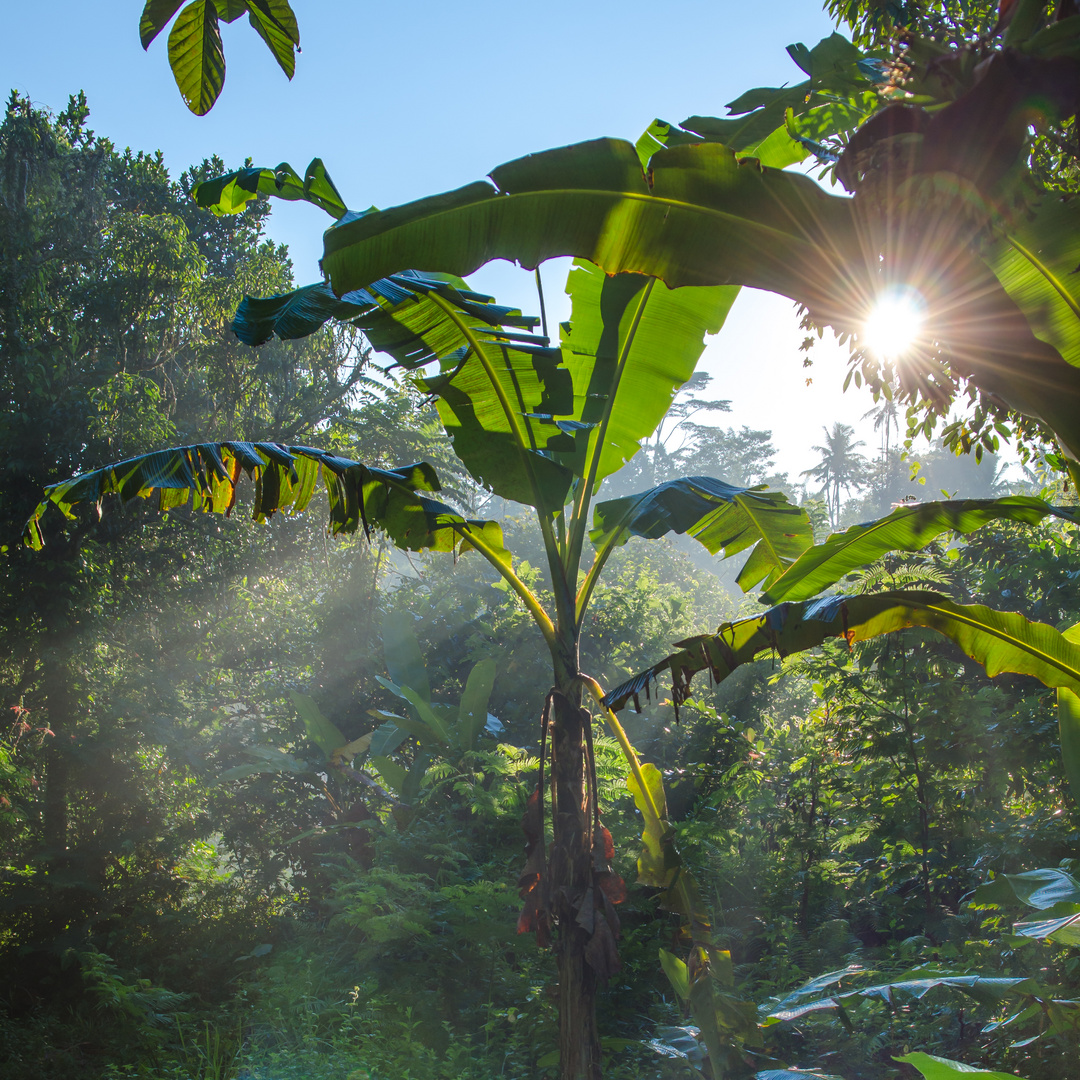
571	871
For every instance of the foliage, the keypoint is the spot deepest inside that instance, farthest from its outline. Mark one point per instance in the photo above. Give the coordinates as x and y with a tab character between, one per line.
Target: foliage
817	817
196	55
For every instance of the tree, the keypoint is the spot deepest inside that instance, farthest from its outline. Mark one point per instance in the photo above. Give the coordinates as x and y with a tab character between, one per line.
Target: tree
840	467
523	431
116	294
886	420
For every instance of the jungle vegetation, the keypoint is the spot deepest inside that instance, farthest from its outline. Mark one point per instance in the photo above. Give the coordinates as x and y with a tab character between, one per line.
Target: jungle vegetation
265	790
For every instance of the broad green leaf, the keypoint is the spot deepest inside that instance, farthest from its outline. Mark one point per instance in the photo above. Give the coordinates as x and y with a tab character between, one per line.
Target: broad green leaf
1069	727
505	437
292	315
631	342
473	710
1000	641
402	654
230	10
1036	888
196	55
982	988
702	218
322	732
275	23
419	730
352	749
939	1068
285	478
488	441
387	737
1059	923
410	786
1035	261
676	971
778	149
908	528
721	517
396	314
230	194
265	760
155	18
392	772
414	329
427	715
1069	736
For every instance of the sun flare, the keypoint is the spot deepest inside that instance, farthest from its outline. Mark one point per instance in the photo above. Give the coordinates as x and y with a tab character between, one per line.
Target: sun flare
895	322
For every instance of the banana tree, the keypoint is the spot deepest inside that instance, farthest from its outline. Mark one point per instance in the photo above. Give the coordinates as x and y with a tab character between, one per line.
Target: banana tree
538	423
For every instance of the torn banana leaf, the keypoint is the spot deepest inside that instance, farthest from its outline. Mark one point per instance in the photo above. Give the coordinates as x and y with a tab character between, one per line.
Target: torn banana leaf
285	479
1001	641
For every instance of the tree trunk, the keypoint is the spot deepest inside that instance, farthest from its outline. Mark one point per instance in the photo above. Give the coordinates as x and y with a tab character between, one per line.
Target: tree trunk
571	876
59	705
571	859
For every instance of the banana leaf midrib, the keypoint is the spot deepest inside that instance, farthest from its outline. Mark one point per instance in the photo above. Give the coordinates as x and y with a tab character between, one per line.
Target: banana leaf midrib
1045	271
745	503
960	615
338	237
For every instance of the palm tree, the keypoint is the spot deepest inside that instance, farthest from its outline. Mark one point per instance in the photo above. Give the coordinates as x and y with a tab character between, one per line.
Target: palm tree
840	467
886	420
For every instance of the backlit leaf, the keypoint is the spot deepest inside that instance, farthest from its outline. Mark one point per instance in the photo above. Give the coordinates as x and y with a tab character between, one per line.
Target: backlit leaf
196	56
1000	641
908	528
723	518
285	477
939	1068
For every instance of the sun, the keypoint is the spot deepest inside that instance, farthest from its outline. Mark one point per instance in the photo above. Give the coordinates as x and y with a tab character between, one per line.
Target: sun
895	322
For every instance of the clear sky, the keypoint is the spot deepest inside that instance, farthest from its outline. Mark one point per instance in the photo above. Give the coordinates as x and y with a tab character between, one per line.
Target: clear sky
406	99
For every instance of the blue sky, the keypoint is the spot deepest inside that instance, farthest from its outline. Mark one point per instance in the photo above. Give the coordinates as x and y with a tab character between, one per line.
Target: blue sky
403	100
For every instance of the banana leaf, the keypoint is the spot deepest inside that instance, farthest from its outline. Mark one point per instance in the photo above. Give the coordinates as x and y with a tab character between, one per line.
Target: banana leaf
285	479
407	317
999	640
912	985
835	99
324	733
1053	893
1039	889
1059	923
631	342
908	528
229	194
1036	263
701	216
473	708
395	313
939	1068
721	517
492	404
1069	727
